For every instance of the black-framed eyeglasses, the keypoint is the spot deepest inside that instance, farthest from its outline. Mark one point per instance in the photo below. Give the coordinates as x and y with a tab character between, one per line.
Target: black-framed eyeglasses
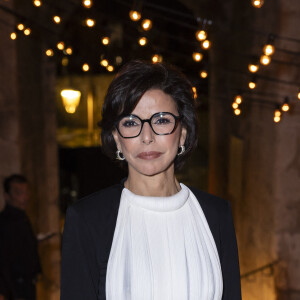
162	123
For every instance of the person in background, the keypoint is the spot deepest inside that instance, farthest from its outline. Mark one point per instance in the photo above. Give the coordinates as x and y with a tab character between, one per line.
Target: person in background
19	260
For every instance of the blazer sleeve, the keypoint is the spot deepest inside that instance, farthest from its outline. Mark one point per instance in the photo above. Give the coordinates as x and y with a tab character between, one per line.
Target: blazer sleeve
79	272
229	258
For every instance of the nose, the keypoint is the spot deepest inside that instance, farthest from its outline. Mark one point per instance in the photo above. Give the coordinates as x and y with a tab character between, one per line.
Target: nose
147	134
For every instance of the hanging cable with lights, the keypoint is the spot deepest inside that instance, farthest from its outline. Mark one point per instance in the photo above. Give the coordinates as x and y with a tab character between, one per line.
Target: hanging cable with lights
146	24
257	3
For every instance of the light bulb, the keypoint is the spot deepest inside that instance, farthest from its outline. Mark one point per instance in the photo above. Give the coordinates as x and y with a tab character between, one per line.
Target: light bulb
285	107
252	85
265	60
276	119
13	35
65	61
197	56
49	52
253	68
299	95
21	26
235	105
201	35
104	62
277	113
156	58
238	99
203	74
134	15
27	31
90	22
69	51
146	24
61	46
85	67
268	49
142	41
37	3
195	92
87	3
206	44
257	3
109	68
105	40
237	111
56	19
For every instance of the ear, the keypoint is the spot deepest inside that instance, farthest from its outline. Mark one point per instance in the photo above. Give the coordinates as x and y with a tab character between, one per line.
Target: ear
182	136
117	139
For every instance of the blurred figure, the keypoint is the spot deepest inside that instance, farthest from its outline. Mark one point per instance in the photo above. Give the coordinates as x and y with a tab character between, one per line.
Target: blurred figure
19	261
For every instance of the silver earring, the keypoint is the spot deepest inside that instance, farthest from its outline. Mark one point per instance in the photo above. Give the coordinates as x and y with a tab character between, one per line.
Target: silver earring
181	149
119	155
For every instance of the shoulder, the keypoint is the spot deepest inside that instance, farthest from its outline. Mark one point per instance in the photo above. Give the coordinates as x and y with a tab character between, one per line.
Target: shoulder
97	205
211	202
11	213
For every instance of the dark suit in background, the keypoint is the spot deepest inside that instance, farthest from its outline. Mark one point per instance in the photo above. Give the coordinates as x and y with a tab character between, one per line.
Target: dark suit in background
19	261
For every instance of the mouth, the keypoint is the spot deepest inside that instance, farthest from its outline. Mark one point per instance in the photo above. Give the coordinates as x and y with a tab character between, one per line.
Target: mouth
149	155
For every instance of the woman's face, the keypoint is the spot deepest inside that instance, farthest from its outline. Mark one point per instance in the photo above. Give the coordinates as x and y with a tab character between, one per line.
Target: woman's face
151	154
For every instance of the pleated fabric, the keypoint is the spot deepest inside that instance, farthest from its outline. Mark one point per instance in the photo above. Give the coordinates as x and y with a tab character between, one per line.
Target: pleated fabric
163	249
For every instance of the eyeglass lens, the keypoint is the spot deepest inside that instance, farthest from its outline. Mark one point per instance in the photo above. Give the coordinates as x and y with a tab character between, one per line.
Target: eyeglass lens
161	123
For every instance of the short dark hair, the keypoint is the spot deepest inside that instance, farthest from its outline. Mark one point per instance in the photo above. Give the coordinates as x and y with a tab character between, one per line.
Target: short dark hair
18	178
128	87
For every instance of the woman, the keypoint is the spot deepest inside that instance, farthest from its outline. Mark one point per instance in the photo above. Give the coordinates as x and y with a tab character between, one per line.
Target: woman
149	237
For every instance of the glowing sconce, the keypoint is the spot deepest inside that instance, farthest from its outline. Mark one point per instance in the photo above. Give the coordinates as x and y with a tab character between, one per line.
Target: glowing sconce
71	99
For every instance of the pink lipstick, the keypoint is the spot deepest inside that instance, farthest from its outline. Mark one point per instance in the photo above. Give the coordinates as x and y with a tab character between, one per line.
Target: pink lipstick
149	155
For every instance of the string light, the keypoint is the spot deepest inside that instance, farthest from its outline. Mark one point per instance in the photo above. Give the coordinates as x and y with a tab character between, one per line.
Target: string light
146	24
105	40
257	3
253	68
235	105
265	60
20	26
206	44
157	58
195	92
134	15
27	31
49	52
203	74
65	61
60	46
90	22
87	3
85	67
37	3
237	111
201	35
119	60
238	99
277	115
197	56
109	68
285	106
142	41
56	19
69	51
13	35
104	62
299	95
252	85
268	49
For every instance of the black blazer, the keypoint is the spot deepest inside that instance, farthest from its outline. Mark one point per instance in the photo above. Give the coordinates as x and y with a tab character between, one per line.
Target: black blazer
88	235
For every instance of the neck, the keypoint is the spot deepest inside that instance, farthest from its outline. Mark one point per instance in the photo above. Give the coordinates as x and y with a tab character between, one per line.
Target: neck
159	185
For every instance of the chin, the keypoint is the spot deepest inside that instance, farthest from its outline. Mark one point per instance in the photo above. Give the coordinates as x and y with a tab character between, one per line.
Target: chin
151	168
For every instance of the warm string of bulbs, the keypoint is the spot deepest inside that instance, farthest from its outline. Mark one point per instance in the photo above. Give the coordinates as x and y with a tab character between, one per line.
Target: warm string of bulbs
146	25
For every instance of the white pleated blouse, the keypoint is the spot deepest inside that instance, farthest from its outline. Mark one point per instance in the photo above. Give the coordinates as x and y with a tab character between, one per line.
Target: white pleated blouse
163	249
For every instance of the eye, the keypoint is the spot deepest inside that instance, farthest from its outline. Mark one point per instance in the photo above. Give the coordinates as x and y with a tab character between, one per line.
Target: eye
129	123
162	121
